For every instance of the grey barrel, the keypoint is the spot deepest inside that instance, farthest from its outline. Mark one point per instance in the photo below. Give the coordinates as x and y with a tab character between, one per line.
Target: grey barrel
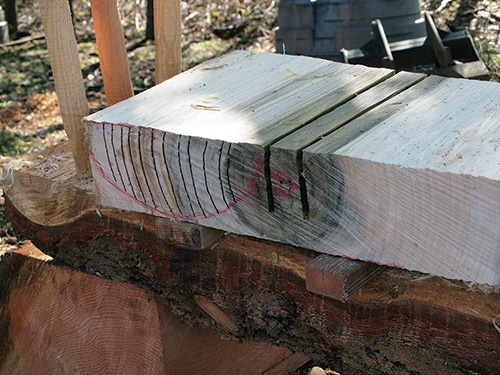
324	27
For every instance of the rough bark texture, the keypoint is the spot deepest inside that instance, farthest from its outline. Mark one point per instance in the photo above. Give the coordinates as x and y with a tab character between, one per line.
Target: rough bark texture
400	323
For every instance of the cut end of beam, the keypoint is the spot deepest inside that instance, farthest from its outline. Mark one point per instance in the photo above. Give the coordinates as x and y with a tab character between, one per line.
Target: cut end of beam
337	277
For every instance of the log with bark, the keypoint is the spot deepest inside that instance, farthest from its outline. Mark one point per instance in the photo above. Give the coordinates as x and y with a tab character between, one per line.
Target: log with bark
251	290
55	320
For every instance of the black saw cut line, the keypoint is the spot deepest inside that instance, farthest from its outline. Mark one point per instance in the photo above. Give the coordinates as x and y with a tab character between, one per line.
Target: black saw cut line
182	175
116	158
205	176
125	164
156	172
220	175
133	167
168	173
192	177
144	170
227	172
107	153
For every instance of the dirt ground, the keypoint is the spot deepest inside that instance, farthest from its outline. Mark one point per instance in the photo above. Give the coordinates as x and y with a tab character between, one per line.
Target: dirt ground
29	114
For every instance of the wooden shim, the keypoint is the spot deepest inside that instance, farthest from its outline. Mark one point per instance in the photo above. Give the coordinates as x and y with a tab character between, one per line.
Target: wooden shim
188	234
338	277
286	154
417	180
112	53
68	79
202	155
168	33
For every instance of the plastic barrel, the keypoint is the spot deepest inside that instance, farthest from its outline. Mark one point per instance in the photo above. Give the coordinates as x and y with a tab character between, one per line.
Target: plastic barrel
4	28
401	19
296	27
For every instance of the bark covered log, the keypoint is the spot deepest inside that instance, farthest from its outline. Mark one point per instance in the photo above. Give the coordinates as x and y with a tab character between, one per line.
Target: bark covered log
400	323
55	320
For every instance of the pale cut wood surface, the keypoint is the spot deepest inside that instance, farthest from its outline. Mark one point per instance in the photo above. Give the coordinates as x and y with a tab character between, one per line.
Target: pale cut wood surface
220	160
420	190
46	188
68	80
112	53
286	155
205	156
168	33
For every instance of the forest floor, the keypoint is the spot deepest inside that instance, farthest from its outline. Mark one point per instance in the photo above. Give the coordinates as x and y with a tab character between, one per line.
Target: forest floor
29	112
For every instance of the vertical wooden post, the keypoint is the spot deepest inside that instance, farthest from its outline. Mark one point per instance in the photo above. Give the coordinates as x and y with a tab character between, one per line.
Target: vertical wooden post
68	79
168	30
112	52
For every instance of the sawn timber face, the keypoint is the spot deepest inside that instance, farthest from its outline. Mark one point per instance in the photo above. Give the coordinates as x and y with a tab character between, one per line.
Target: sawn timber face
310	153
398	323
210	163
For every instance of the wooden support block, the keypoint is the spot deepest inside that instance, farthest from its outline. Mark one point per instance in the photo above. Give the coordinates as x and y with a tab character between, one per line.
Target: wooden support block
192	235
338	277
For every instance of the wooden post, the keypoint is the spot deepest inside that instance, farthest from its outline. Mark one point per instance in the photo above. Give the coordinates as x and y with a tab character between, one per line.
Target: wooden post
112	52
168	26
68	80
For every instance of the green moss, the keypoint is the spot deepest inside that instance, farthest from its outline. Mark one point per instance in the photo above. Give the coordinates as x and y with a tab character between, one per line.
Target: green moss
11	144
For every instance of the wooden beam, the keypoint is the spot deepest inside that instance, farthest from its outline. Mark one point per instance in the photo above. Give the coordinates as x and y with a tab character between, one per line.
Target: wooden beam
168	33
415	182
338	277
211	156
68	79
112	53
207	172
